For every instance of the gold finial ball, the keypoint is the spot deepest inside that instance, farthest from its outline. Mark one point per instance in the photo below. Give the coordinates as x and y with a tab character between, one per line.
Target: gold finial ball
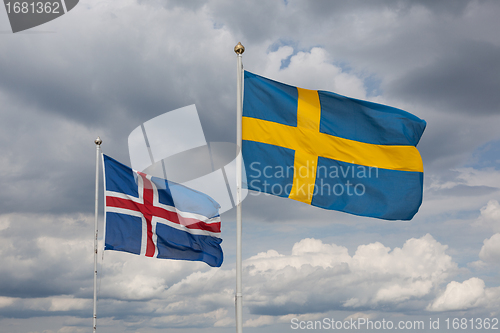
98	141
239	49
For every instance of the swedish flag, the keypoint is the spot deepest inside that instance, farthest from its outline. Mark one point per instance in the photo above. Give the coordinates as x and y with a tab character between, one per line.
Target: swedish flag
331	151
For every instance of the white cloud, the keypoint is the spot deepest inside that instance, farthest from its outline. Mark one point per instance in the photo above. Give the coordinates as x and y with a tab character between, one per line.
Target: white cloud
307	251
225	321
6	301
70	329
312	70
487	176
314	278
318	277
490	216
260	321
69	303
47	304
63	260
218	316
52	304
4	222
466	295
490	252
130	277
65	329
414	269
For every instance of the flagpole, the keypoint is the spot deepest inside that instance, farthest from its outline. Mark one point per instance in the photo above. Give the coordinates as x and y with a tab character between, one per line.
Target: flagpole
238	49
97	142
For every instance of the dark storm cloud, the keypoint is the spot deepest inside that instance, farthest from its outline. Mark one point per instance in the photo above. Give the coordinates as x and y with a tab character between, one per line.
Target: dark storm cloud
103	83
46	164
113	82
254	23
114	65
463	80
58	99
448	141
18	310
39	264
328	8
118	76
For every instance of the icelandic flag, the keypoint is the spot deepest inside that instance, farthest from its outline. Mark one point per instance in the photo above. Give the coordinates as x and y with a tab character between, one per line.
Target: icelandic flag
153	217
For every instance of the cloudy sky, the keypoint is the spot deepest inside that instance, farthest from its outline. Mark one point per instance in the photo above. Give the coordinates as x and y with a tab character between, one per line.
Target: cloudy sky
107	66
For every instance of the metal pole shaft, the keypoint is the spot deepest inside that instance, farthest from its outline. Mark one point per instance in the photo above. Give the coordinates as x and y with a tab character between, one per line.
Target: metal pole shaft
239	49
97	142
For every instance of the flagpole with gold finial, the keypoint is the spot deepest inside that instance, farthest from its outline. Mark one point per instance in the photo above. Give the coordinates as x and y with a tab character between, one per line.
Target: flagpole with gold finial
97	142
239	49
